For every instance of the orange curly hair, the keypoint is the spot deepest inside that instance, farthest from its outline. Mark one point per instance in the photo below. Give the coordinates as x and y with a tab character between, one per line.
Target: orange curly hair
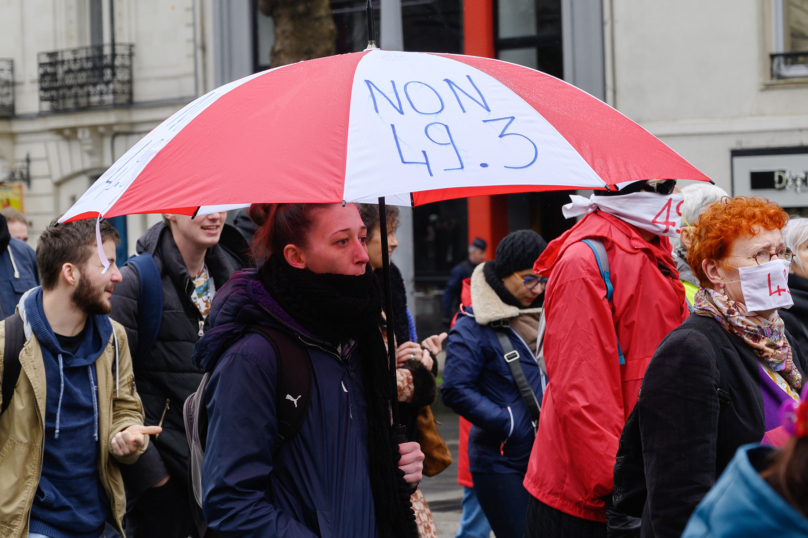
724	222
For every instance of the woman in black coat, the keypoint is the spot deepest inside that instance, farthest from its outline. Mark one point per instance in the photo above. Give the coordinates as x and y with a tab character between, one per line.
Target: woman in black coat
718	381
795	236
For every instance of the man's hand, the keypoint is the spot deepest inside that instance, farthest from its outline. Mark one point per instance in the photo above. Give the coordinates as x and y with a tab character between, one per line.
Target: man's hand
434	344
132	438
411	462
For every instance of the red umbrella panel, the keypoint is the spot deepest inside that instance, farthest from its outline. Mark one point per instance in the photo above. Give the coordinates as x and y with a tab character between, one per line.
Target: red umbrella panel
411	127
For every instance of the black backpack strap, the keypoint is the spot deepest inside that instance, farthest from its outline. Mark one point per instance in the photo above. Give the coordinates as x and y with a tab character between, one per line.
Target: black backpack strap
511	357
15	340
293	393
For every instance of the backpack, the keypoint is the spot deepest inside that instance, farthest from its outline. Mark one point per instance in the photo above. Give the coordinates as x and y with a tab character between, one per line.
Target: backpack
149	303
294	377
603	266
14	342
624	507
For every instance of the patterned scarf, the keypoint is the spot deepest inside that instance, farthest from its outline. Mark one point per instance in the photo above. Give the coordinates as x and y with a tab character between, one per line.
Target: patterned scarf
766	337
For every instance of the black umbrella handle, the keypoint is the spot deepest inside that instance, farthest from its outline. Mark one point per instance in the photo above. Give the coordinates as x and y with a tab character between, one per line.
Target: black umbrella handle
388	302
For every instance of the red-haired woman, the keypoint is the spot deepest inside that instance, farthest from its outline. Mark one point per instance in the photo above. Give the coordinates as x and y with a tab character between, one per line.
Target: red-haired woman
718	381
763	492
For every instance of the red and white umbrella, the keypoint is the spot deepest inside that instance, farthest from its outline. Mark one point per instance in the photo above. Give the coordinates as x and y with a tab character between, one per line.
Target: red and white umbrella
412	127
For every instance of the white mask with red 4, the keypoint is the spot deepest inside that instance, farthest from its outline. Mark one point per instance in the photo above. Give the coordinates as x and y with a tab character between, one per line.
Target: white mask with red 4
765	286
658	214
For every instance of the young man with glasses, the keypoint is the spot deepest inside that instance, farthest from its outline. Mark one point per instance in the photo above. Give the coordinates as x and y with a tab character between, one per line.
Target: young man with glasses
597	345
492	378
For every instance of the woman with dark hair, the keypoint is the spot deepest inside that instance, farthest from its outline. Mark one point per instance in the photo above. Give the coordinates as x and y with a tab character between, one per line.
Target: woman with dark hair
414	374
341	474
481	383
718	381
763	491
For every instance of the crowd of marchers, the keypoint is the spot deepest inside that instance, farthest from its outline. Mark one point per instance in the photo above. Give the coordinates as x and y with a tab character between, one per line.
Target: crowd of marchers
639	376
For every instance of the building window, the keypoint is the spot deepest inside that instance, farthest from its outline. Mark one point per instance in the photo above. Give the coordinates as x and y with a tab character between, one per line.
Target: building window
263	38
790	56
528	32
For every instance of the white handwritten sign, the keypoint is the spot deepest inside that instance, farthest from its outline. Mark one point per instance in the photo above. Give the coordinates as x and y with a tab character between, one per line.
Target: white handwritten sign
430	122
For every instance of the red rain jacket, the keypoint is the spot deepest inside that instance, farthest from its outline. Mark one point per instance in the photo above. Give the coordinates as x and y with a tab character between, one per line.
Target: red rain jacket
590	395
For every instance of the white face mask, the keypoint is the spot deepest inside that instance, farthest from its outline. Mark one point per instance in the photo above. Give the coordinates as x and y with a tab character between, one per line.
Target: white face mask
765	287
656	213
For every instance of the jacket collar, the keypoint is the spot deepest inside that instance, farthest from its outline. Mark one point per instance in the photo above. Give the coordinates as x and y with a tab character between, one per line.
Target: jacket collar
159	242
487	306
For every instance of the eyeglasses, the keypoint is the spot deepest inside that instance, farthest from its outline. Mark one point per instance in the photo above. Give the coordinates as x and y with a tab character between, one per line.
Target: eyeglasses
764	256
663	186
531	282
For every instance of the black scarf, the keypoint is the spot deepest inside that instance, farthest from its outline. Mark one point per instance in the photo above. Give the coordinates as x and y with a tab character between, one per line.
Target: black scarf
338	308
502	292
401	325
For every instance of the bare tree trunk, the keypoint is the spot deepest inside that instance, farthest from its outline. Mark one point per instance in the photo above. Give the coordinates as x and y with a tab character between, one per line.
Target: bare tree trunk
304	29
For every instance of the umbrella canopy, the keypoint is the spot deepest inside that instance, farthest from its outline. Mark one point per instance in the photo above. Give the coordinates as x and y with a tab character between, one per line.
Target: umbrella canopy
411	127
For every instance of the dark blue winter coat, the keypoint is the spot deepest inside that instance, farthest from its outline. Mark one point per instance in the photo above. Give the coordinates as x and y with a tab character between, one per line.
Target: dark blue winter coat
317	484
13	283
742	504
478	385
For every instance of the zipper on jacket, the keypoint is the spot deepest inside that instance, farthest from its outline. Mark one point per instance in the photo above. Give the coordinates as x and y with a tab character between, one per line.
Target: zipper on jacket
163	416
502	446
201	328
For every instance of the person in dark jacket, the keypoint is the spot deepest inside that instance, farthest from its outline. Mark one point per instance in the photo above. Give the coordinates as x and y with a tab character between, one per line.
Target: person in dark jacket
338	475
192	267
18	270
763	491
415	371
478	383
459	273
717	382
795	237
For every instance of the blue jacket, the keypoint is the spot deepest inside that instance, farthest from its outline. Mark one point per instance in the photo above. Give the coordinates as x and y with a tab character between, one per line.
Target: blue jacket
742	504
318	483
18	255
478	385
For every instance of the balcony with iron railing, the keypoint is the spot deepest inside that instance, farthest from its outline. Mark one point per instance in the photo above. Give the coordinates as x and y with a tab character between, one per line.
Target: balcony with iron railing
86	77
6	88
786	65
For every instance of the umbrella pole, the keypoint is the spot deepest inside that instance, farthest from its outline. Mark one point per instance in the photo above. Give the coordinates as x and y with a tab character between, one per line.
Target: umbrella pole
388	307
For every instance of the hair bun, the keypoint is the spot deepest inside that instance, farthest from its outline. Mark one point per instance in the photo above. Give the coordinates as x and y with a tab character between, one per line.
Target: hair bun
259	213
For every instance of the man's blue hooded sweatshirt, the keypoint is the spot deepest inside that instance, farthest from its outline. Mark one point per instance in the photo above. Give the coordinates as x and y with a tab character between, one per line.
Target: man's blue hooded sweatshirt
742	504
70	501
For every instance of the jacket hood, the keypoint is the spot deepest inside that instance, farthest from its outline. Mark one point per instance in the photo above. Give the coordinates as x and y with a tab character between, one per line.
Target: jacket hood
487	305
609	229
241	302
685	271
35	322
743	504
149	241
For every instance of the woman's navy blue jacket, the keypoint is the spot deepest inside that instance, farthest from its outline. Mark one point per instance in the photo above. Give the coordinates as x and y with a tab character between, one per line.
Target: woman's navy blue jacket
317	484
478	385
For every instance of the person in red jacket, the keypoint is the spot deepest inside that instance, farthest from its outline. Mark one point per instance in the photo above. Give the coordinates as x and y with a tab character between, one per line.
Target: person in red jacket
594	381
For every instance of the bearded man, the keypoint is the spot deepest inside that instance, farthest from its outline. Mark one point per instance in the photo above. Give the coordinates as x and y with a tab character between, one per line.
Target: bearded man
70	411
